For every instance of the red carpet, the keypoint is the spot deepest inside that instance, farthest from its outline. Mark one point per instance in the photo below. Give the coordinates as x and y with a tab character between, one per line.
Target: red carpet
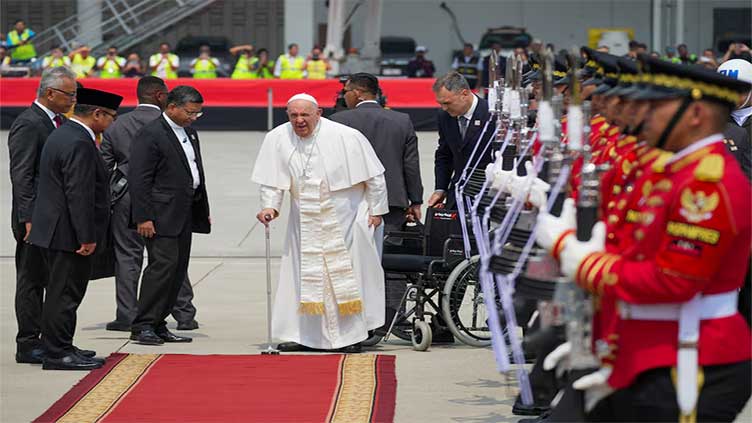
232	388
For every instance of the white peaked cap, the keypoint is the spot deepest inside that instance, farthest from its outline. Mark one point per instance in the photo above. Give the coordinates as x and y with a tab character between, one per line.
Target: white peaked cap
303	96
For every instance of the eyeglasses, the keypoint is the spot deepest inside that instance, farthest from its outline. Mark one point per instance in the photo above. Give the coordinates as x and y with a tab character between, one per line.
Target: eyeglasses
112	115
194	114
71	95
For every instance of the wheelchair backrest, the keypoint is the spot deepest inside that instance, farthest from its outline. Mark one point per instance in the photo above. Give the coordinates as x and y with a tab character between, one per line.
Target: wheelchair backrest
441	225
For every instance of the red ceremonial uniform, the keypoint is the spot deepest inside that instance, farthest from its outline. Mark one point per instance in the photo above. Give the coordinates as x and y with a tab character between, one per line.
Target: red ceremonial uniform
694	230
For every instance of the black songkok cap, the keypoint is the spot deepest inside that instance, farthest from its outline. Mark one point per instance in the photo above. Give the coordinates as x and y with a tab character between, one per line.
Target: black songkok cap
92	97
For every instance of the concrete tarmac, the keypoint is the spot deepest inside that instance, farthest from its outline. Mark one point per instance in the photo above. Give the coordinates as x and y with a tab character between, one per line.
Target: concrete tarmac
448	383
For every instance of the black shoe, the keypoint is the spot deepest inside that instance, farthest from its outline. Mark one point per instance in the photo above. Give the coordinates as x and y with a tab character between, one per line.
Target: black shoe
168	336
189	325
146	337
32	356
85	353
352	349
118	326
95	359
71	361
292	347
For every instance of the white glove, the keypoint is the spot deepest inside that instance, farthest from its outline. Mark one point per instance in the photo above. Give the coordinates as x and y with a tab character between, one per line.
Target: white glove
499	179
530	188
551	227
554	357
595	385
575	251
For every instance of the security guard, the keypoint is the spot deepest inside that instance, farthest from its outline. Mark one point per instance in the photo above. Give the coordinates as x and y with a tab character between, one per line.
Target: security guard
290	65
245	60
469	65
55	59
204	66
681	341
111	65
19	40
315	65
81	62
164	64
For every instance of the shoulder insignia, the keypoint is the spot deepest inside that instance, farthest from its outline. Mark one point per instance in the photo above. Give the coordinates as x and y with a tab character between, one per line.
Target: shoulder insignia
698	206
613	131
659	165
710	168
647	188
690	158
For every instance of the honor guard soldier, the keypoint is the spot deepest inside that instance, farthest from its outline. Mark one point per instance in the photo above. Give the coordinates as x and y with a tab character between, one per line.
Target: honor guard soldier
681	341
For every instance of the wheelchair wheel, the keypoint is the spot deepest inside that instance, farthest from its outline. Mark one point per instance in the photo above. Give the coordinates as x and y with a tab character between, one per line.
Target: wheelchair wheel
462	306
421	336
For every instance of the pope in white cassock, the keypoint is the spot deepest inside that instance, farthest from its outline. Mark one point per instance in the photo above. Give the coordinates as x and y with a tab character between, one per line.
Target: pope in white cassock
331	284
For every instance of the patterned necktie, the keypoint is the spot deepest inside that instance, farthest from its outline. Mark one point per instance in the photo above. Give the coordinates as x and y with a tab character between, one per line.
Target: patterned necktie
58	121
463	121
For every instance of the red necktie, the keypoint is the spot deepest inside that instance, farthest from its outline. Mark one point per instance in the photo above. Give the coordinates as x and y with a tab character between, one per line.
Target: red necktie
58	121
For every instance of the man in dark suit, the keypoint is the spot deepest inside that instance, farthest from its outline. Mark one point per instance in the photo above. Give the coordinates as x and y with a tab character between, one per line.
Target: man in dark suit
169	203
129	245
70	217
393	139
461	120
28	134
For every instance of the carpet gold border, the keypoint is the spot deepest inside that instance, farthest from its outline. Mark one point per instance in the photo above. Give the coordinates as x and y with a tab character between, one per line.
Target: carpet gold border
100	399
354	401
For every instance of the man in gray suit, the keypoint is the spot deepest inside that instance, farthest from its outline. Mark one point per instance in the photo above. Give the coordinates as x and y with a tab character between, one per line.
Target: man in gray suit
393	138
129	245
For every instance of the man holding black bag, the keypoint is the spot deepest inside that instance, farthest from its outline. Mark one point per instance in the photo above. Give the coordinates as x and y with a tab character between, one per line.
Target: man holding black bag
129	245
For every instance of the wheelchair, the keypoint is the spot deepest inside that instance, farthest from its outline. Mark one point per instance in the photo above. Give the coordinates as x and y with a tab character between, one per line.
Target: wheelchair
443	293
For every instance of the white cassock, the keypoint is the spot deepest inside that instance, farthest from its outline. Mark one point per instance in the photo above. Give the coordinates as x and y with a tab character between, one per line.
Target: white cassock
331	284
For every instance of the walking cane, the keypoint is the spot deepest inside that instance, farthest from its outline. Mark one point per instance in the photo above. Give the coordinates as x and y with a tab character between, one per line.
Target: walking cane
270	350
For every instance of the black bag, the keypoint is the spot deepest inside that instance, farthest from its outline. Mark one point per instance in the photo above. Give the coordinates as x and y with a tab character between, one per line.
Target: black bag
118	186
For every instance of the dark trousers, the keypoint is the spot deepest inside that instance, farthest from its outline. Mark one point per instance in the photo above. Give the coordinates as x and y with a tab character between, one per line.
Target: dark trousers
163	277
395	219
652	397
69	277
31	279
129	258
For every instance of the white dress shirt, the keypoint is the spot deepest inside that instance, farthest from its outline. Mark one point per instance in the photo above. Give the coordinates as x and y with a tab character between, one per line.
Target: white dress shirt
49	112
187	149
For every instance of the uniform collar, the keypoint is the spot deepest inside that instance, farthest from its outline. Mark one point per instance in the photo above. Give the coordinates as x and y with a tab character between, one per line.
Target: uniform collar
695	146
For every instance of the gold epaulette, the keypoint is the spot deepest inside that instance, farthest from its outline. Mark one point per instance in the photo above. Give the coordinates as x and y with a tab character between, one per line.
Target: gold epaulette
597	119
613	131
710	168
659	165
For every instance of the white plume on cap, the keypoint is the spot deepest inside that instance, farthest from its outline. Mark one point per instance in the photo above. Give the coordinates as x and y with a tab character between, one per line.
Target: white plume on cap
303	96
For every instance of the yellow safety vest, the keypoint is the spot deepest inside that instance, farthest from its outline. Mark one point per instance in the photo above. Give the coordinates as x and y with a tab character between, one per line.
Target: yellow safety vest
169	71
266	72
291	70
110	68
21	52
243	68
53	62
204	69
6	61
316	69
82	66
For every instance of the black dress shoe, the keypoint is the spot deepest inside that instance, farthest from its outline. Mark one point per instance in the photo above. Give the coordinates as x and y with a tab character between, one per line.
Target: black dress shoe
32	356
118	326
352	349
168	336
189	325
85	353
71	361
146	337
292	347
